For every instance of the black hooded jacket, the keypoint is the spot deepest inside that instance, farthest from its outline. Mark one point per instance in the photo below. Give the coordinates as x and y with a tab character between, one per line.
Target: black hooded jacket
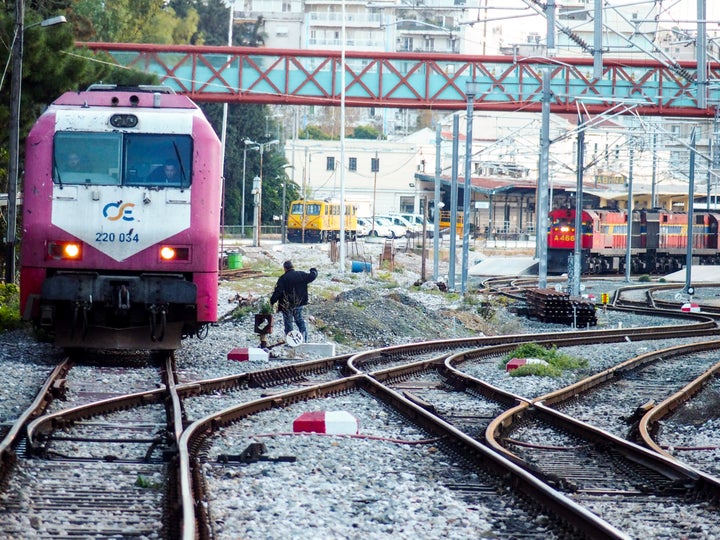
291	289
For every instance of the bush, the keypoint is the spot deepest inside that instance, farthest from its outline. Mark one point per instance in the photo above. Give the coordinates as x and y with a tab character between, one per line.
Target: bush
557	361
9	307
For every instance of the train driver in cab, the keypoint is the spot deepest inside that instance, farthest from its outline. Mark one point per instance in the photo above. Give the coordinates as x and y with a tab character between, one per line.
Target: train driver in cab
73	163
169	173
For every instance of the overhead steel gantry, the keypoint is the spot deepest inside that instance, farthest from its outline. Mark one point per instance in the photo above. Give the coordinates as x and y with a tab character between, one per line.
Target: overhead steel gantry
420	80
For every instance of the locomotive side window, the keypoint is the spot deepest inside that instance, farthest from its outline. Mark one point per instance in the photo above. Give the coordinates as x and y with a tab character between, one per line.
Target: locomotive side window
86	158
158	160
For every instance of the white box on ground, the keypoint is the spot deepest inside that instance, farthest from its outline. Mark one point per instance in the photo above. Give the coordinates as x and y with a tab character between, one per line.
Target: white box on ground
321	350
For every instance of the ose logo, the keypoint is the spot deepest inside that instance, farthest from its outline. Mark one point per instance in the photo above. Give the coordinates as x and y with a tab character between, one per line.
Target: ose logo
118	210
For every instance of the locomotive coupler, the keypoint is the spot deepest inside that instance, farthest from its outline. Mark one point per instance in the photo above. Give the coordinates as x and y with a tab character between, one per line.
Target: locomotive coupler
158	322
80	316
123	297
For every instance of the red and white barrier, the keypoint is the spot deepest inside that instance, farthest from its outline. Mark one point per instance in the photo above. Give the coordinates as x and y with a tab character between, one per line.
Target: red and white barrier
332	422
242	354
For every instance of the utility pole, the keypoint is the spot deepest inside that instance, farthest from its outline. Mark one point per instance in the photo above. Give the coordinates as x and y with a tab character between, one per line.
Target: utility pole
14	148
577	254
628	247
16	52
471	89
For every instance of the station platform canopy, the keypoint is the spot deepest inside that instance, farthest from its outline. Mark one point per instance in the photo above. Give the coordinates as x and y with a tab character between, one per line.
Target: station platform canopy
668	196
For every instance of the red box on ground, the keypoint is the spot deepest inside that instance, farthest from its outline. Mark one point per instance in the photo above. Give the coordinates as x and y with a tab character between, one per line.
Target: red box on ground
515	363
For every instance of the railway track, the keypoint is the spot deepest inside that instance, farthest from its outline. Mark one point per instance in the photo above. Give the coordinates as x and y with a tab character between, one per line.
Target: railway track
571	442
477	473
684	425
415	372
166	443
100	465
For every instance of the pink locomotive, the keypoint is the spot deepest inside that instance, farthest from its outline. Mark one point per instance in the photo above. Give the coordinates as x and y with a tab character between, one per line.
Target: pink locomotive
121	219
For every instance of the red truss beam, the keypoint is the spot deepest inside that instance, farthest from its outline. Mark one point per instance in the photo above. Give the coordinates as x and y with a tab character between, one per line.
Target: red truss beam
418	80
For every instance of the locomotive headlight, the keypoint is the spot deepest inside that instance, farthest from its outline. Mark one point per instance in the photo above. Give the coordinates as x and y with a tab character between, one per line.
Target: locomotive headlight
565	229
174	253
72	251
67	251
167	253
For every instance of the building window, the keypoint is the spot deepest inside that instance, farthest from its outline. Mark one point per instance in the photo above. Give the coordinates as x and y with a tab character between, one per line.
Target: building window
375	164
352	164
330	163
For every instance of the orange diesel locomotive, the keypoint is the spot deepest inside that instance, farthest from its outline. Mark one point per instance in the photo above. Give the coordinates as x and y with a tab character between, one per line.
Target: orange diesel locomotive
658	241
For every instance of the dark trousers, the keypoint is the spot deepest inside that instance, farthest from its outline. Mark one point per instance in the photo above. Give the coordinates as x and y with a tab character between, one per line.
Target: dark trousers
296	315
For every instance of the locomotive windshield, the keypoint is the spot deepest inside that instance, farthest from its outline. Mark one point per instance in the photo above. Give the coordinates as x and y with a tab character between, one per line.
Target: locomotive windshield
122	158
311	209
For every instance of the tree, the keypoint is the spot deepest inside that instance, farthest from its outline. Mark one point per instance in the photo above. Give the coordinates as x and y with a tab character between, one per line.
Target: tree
251	34
366	132
124	21
243	121
314	133
213	20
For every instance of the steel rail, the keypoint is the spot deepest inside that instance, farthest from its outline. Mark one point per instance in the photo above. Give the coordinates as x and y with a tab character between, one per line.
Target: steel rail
649	420
36	408
38	429
501	425
574	515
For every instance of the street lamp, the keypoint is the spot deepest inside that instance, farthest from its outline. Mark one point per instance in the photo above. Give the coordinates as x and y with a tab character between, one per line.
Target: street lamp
283	223
257	200
248	146
14	145
257	192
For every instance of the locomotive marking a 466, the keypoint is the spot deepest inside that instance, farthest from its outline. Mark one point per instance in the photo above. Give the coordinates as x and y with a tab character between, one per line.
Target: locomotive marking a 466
658	245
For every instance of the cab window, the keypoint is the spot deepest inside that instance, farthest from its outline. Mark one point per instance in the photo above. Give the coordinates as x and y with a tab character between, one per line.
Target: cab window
157	160
87	158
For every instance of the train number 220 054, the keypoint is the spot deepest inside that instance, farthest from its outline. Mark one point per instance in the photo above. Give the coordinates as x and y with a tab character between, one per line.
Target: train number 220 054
127	237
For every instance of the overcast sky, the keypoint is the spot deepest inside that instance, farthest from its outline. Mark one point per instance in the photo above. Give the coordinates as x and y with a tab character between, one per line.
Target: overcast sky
518	18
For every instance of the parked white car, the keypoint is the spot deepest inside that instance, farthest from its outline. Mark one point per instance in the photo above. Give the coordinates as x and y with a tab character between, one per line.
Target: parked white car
400	221
372	228
395	224
364	226
416	221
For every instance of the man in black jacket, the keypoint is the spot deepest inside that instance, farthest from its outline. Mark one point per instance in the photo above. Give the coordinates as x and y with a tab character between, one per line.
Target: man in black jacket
291	294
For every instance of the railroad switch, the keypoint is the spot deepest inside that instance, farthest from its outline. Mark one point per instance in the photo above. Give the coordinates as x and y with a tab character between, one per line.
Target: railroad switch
252	454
